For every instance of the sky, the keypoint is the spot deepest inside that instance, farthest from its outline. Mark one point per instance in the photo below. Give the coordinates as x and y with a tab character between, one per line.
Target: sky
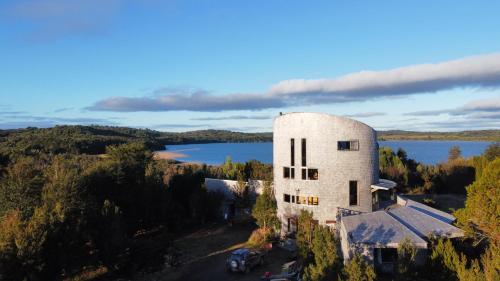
190	65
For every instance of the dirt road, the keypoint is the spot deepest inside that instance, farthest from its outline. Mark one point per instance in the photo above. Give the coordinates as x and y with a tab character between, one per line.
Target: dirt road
205	252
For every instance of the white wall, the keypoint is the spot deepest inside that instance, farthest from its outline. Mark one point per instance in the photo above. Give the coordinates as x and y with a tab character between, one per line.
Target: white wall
228	186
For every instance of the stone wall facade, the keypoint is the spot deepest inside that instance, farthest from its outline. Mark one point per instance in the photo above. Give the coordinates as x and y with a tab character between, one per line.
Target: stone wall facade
336	168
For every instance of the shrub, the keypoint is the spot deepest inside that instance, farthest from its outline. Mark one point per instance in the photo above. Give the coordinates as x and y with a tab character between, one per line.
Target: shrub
357	269
259	237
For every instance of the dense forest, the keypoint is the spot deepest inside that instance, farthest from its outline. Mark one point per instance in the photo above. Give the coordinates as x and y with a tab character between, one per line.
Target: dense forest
64	212
76	199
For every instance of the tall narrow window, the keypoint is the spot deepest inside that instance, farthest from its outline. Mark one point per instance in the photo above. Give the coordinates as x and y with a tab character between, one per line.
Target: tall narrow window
286	198
304	174
286	172
304	153
292	152
353	193
292	173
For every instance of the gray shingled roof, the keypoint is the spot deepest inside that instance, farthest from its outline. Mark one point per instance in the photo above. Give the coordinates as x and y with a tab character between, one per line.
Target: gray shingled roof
379	228
422	224
440	215
408	219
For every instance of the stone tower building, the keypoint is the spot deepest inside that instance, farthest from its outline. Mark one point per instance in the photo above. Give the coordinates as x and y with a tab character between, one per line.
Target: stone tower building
329	165
325	164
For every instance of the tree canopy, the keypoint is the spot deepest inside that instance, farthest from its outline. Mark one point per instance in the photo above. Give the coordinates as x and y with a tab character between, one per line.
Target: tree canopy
265	209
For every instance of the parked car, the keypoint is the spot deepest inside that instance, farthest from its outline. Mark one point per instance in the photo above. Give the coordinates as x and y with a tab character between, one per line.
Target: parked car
289	271
290	246
242	260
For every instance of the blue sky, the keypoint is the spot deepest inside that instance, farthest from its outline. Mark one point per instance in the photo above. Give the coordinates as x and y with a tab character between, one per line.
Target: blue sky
189	65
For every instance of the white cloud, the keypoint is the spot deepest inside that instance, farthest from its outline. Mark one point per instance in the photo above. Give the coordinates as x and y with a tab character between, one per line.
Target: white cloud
483	108
366	114
477	71
233	117
492	104
472	72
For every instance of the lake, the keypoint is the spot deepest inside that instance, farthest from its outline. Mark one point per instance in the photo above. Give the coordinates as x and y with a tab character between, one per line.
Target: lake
428	152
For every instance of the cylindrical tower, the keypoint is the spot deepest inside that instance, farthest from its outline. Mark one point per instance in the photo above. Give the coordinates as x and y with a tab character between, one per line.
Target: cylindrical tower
322	163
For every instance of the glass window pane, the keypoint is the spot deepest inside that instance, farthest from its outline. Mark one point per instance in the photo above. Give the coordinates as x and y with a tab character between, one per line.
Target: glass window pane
304	153
353	193
286	197
286	172
312	174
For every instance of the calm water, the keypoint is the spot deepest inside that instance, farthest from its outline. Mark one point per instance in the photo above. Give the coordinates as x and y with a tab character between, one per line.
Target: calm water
428	152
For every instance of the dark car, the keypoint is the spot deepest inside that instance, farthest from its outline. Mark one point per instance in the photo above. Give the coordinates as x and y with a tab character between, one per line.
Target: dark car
242	260
289	271
290	246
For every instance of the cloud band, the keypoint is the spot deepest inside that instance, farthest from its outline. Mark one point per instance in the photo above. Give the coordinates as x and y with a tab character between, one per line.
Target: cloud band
471	72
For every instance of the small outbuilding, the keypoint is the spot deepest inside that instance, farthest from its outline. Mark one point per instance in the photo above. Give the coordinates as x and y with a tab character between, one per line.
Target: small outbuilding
228	188
377	235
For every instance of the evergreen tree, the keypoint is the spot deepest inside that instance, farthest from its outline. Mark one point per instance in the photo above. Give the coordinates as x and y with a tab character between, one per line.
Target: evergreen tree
402	155
407	254
447	264
241	193
264	210
357	269
21	187
326	260
492	151
454	153
306	225
481	215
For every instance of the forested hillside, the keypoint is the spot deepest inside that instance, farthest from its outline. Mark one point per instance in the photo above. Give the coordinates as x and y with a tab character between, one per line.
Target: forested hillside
94	139
210	136
484	135
73	139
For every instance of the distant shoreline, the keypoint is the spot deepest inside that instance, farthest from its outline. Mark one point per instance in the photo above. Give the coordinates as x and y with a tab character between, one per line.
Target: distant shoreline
168	155
378	139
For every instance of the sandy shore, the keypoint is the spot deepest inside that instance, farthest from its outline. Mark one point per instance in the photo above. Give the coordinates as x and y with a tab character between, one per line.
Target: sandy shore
168	155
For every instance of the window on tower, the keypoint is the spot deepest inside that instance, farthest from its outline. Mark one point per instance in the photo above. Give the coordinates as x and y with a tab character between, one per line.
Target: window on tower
286	198
286	172
312	200
304	152
348	145
312	174
353	193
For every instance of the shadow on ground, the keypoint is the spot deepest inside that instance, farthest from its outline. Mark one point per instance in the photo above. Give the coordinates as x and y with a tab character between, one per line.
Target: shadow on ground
205	251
